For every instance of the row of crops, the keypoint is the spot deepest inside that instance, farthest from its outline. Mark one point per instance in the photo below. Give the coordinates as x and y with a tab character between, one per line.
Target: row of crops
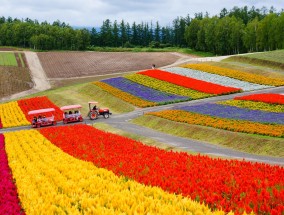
176	84
96	172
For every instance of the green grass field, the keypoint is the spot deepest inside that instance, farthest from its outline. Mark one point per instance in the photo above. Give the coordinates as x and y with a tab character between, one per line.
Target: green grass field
272	59
274	56
8	59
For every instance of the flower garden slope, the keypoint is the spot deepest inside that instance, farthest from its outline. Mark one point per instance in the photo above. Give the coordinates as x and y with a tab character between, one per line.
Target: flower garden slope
216	79
191	83
53	182
240	75
166	86
143	92
228	184
9	202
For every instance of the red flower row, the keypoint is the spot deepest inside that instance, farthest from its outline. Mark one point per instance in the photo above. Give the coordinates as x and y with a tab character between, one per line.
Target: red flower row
39	103
265	97
191	83
228	184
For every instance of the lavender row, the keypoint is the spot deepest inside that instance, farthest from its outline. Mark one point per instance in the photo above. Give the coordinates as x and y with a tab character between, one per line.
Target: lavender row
232	112
216	79
142	91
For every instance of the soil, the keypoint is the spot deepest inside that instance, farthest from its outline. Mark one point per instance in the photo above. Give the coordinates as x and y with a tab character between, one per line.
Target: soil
79	64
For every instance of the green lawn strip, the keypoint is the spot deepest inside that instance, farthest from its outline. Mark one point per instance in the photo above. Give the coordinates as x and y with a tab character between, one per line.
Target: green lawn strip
8	59
82	94
250	68
250	143
144	140
257	61
273	56
21	59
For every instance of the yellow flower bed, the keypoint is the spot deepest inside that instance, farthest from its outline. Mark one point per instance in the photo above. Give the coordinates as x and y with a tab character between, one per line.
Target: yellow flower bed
221	123
240	75
254	105
125	96
166	86
11	115
50	181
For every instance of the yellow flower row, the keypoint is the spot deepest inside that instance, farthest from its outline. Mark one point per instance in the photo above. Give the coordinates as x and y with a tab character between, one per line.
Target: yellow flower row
50	181
221	123
166	86
254	105
240	75
125	96
11	115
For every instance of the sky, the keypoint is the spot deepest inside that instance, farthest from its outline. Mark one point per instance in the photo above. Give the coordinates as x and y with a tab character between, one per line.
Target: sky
92	13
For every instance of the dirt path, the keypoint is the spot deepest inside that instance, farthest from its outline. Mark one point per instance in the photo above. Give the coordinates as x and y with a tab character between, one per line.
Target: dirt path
38	77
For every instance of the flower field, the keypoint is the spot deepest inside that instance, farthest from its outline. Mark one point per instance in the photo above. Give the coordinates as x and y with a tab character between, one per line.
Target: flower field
240	75
202	86
143	92
50	181
16	113
216	79
96	172
255	114
166	86
267	98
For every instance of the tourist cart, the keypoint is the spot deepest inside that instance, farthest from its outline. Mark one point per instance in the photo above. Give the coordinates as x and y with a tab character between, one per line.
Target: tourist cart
42	117
95	111
71	113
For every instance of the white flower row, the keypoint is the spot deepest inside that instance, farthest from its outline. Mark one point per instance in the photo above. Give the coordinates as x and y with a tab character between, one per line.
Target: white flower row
216	79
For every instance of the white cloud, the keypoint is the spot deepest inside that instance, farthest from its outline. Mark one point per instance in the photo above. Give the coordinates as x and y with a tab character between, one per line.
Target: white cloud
93	12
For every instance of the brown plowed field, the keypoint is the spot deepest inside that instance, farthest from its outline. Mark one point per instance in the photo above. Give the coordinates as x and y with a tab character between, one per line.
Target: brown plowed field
79	64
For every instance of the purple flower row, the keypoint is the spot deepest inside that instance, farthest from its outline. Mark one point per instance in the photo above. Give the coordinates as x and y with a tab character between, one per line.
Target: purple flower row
9	202
232	112
142	91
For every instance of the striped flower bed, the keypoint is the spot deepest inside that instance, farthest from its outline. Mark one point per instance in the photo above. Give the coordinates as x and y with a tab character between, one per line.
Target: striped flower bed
228	184
221	123
240	75
50	181
191	83
265	97
166	86
216	79
11	115
254	105
143	92
231	112
9	202
125	96
39	103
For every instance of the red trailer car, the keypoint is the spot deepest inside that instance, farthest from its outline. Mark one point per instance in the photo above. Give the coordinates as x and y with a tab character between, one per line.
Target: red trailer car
42	117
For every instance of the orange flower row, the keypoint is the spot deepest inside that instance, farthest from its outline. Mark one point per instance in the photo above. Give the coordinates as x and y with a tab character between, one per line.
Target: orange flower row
221	123
240	75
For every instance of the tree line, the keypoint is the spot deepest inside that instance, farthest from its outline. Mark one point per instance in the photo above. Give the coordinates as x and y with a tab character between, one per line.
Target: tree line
236	31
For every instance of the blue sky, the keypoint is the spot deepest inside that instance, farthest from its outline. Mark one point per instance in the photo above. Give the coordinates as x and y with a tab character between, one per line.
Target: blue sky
93	12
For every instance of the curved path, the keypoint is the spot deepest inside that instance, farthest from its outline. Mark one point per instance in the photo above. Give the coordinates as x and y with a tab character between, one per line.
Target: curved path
121	121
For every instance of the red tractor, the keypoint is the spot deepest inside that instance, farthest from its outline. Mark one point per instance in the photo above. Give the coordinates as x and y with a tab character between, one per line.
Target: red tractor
42	117
72	113
95	112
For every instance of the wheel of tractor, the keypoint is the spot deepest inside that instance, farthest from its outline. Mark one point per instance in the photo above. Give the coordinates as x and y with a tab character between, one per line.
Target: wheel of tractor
38	125
93	116
106	115
65	121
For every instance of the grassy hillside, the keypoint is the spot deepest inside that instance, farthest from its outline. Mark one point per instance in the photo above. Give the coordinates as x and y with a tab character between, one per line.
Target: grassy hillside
273	59
8	59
